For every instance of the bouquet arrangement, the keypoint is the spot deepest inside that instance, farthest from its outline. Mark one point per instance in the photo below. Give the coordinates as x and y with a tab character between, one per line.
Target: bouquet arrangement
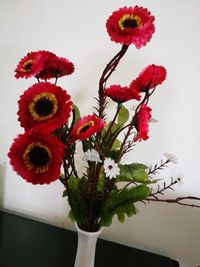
53	126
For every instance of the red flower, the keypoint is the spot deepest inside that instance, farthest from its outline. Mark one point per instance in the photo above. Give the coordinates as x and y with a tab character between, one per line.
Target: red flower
121	94
44	106
29	66
142	119
36	157
131	25
150	77
86	127
54	66
43	65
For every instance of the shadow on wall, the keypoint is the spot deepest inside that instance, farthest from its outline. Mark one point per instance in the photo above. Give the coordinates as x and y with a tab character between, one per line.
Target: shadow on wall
2	184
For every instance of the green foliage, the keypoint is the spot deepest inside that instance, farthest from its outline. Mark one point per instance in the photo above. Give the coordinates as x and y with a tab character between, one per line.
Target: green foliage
123	116
64	193
79	198
121	203
86	145
110	142
77	112
75	198
116	144
101	182
134	172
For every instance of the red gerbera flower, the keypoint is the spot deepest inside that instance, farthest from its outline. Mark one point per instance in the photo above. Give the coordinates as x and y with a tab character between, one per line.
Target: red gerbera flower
131	25
29	66
142	119
36	157
54	66
44	106
86	127
121	94
150	77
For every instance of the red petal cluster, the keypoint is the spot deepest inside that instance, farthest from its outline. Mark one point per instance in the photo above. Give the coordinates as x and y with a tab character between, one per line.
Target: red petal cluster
121	94
44	107
149	78
36	157
131	25
54	66
86	127
142	120
29	66
44	65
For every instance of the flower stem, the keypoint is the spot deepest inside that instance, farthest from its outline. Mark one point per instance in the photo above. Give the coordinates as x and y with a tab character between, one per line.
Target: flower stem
110	126
105	75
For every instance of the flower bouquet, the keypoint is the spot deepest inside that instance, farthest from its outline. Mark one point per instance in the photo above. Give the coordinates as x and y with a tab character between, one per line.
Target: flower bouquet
54	128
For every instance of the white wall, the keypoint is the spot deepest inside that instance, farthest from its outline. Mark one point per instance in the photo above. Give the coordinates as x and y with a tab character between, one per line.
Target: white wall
76	29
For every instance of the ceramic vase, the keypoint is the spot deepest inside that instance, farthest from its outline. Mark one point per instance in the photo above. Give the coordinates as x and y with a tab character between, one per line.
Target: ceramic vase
86	248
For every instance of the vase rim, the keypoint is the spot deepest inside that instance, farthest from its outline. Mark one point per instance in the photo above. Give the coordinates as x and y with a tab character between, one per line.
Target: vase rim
86	232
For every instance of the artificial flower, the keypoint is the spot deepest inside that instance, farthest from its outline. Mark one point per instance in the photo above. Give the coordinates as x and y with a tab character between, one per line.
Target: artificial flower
150	77
30	65
92	155
171	157
121	94
86	127
36	157
55	66
131	25
44	106
111	168
142	120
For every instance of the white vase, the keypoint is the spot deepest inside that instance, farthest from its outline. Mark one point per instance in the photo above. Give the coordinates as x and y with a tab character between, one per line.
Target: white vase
85	255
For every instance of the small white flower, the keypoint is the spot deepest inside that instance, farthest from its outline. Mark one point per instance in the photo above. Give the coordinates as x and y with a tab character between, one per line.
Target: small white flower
171	157
111	168
92	155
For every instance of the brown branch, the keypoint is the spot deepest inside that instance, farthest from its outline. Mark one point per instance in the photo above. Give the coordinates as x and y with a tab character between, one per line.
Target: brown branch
178	201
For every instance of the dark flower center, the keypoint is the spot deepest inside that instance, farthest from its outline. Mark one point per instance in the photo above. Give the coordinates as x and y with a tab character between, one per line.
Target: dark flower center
43	107
110	167
130	23
28	66
85	127
38	156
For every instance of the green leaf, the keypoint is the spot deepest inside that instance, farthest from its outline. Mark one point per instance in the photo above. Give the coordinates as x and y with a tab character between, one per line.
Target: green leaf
101	181
126	209
106	215
134	172
113	154
77	112
64	193
62	176
122	202
86	145
116	144
73	183
71	215
123	116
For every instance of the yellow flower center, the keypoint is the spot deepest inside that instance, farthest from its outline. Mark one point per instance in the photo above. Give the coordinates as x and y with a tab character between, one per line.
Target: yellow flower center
85	127
129	21
27	66
37	156
43	106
